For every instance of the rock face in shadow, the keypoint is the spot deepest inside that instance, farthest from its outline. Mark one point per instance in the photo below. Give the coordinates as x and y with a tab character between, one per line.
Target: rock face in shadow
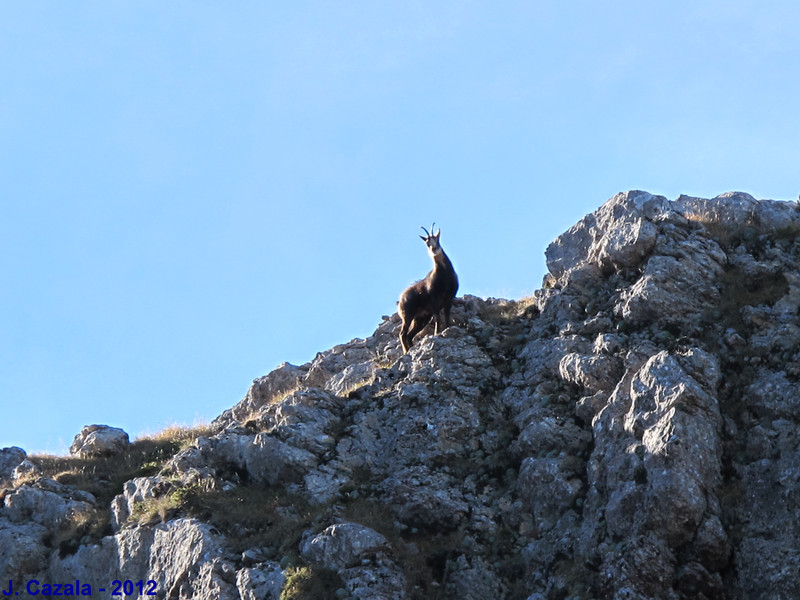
628	432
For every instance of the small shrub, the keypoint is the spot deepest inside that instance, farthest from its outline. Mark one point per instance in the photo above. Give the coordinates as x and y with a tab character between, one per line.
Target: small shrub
311	583
82	528
251	515
155	510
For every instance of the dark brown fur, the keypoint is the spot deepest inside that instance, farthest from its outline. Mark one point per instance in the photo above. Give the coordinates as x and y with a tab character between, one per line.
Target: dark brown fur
430	298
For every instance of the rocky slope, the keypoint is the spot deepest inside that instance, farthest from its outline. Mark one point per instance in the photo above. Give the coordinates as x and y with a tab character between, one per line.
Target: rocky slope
629	431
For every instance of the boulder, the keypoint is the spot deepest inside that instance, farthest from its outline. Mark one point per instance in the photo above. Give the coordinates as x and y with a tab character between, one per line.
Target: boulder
184	558
10	458
99	440
138	489
262	582
22	549
28	504
362	558
343	545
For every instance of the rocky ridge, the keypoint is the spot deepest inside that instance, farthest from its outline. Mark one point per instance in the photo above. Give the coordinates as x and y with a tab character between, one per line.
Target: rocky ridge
627	432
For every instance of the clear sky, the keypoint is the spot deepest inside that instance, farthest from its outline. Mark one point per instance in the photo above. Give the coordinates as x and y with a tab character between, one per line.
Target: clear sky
195	192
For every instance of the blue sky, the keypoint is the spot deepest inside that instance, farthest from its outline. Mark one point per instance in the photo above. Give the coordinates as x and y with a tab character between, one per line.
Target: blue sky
194	192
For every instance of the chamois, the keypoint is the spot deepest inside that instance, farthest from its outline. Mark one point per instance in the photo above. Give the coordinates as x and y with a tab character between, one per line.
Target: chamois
430	298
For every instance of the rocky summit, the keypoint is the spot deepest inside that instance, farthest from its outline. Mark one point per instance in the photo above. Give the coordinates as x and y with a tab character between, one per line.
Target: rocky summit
630	431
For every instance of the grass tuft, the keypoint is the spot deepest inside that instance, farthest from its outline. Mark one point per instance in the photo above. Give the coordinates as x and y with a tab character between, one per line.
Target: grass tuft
183	435
310	583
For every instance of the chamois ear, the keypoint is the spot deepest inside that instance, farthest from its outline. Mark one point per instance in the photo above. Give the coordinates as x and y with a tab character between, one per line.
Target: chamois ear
423	238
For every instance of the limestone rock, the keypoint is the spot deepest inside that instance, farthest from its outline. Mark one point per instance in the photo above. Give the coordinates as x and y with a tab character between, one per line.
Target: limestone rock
264	390
422	497
28	504
262	582
593	373
343	545
474	580
10	458
182	556
547	489
264	457
25	470
138	489
98	440
618	235
630	431
361	555
22	549
304	419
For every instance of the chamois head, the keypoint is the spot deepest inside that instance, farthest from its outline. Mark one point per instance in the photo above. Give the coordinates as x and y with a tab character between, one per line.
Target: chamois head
432	241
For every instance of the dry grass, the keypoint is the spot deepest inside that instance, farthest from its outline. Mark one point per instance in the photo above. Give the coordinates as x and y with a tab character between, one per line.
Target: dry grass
251	515
510	310
184	435
253	418
81	528
104	476
155	510
726	233
354	387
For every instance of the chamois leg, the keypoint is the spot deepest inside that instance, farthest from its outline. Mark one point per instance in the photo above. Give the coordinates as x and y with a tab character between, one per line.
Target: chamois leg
417	325
447	307
407	334
406	343
437	320
404	340
436	315
443	318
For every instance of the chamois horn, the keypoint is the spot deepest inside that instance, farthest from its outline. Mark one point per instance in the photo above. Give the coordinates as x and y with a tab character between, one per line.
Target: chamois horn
428	233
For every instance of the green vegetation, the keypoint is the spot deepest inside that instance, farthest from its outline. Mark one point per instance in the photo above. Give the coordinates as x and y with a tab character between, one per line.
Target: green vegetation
252	515
104	477
311	583
155	510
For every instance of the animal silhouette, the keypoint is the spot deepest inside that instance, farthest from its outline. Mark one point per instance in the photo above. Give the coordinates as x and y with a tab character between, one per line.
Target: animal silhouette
429	298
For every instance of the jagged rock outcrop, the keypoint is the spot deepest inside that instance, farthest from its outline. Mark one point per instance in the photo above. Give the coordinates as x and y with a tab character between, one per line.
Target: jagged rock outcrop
10	459
628	432
184	559
362	558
